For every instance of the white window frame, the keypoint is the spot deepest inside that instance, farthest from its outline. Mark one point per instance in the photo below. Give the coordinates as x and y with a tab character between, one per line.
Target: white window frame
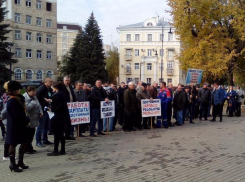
17	74
39	54
17	34
137	52
129	80
28	19
39	5
49	74
39	35
170	80
48	23
18	52
149	52
39	75
49	54
39	21
17	17
28	75
149	66
128	37
49	39
28	53
148	80
28	3
28	36
149	37
170	65
136	66
137	37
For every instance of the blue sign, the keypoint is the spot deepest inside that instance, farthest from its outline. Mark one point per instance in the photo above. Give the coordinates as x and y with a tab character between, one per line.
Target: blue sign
194	76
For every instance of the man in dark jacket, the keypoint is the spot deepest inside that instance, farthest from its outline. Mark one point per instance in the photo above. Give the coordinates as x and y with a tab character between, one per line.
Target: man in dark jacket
204	95
179	104
121	91
70	97
170	105
188	111
98	94
44	92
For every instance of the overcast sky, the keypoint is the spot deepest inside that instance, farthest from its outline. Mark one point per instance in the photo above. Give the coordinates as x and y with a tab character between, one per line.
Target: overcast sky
110	13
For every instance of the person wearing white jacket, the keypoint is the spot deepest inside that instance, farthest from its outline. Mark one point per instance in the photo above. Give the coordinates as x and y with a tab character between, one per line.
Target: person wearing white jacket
34	112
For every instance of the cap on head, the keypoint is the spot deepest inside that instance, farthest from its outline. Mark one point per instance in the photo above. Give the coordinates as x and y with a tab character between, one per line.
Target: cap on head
14	85
186	87
144	85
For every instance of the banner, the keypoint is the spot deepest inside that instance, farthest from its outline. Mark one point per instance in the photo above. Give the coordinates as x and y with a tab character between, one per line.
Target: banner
107	109
151	108
194	76
79	112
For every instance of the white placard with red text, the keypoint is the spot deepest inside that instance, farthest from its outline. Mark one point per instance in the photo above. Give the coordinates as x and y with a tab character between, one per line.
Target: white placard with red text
79	112
151	108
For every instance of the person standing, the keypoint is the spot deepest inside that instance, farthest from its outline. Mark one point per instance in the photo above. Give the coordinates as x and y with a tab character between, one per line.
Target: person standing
231	98
193	95
121	91
165	96
17	122
170	105
188	110
70	97
44	92
204	95
81	96
217	102
239	97
179	104
153	93
98	94
34	112
58	122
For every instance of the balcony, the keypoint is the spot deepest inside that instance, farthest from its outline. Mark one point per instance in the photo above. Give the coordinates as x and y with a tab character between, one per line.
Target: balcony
170	72
127	71
128	57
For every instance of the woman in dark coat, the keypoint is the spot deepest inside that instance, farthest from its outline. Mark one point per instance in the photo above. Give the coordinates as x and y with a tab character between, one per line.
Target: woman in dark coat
60	109
16	125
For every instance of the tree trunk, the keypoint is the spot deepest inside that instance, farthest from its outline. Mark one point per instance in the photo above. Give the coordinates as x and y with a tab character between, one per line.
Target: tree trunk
230	75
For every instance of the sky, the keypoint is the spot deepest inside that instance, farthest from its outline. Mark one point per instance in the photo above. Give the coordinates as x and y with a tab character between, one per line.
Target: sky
111	13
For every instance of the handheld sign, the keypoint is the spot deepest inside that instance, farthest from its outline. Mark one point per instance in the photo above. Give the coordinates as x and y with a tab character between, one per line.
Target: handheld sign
151	108
107	109
194	76
79	112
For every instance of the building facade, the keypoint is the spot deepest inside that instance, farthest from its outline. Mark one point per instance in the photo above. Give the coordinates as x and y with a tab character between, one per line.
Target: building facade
33	25
148	53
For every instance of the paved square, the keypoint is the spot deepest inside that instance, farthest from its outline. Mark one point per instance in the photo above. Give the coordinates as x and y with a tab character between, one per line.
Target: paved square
204	152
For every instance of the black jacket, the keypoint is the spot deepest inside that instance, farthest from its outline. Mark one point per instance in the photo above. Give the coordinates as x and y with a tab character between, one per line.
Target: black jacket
42	93
97	95
67	95
81	95
204	95
179	100
121	96
130	100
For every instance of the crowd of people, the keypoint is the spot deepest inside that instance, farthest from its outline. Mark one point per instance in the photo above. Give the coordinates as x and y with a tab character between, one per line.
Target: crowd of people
26	116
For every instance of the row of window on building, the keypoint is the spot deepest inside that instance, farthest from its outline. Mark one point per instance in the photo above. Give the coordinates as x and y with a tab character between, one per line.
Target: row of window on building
39	4
29	36
170	53
148	80
29	75
29	53
17	19
170	66
137	37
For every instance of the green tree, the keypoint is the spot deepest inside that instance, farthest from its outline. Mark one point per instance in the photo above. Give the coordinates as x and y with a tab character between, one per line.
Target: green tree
112	65
212	35
5	54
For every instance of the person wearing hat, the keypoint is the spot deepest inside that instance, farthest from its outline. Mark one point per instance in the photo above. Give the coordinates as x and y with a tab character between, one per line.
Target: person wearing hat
16	125
204	95
188	110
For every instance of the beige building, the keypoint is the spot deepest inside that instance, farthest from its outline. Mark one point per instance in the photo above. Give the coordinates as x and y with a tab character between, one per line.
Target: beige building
143	47
33	25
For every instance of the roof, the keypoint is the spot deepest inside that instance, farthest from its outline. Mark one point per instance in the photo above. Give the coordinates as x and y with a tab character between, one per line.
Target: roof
141	24
69	26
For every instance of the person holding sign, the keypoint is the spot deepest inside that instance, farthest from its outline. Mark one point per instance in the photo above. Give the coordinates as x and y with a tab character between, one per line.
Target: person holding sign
98	94
140	95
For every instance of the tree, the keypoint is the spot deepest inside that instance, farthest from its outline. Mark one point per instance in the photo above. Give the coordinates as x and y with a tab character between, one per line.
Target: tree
87	59
112	65
212	35
5	54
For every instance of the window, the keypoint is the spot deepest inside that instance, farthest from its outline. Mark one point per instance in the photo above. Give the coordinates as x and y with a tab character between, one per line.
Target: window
149	66
128	52
29	75
49	74
49	39
39	4
49	6
39	54
169	80
149	51
28	36
136	80
17	34
149	39
39	37
39	75
28	19
18	52
28	53
161	52
137	66
128	37
28	3
161	37
148	80
17	17
137	37
17	74
49	23
49	55
149	24
170	55
17	2
137	52
128	68
160	80
170	36
39	21
160	66
128	80
170	65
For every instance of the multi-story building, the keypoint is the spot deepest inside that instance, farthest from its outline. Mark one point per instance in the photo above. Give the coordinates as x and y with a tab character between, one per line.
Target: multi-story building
33	25
144	47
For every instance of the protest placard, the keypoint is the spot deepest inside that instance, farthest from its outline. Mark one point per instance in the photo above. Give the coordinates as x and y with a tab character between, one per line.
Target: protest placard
79	112
151	108
194	76
107	109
